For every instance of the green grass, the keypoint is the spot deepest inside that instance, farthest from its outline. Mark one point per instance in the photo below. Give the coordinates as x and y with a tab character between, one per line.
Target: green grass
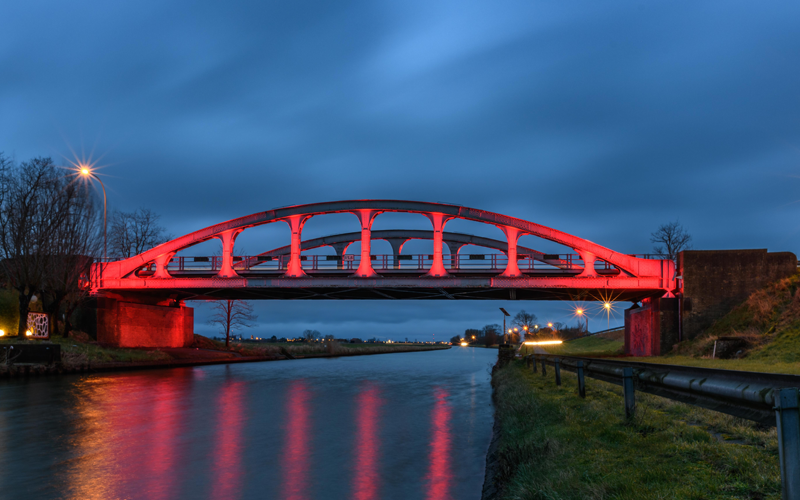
75	353
589	346
555	445
746	364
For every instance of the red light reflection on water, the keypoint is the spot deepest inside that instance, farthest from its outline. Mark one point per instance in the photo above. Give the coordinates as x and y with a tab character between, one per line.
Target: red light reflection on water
439	476
163	441
296	448
129	437
228	443
366	481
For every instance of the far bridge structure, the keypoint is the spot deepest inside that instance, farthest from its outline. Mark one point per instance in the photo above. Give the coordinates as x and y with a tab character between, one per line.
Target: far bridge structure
142	300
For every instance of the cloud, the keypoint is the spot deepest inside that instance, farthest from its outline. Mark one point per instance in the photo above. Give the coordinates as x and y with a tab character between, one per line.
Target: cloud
600	120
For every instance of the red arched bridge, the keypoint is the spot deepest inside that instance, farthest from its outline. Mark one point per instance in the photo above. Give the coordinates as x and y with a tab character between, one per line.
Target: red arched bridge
160	277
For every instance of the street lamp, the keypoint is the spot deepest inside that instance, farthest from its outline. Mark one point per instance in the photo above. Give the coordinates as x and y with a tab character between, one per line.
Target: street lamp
86	172
581	312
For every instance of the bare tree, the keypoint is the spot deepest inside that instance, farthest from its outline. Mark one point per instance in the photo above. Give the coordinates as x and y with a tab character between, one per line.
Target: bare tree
490	333
132	233
670	239
525	319
48	232
231	315
310	335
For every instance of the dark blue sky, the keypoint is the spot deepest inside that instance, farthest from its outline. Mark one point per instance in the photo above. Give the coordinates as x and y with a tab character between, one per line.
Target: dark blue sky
599	119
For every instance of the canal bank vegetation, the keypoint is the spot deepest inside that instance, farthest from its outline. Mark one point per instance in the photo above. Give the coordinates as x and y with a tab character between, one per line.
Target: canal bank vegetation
77	354
304	349
551	444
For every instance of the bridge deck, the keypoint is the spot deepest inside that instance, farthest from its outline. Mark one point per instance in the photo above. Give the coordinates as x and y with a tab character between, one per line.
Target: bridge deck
390	287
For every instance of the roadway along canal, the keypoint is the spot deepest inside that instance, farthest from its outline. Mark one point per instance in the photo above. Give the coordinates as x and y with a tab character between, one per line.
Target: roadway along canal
389	426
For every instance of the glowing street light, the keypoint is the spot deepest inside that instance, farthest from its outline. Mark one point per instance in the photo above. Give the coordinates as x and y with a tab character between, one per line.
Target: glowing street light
549	325
580	312
86	172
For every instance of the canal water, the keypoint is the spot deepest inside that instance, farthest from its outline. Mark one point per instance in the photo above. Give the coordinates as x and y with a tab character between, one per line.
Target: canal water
390	426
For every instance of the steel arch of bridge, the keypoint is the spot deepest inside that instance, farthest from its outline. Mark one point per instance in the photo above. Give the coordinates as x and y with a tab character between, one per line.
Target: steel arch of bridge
637	278
399	237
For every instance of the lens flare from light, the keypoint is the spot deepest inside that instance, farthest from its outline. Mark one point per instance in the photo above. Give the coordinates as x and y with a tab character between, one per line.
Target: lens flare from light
543	342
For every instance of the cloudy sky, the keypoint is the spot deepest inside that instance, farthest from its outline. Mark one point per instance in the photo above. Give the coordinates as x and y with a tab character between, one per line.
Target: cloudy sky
601	119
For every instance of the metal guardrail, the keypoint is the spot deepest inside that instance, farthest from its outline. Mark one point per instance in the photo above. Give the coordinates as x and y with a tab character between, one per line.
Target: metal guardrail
770	399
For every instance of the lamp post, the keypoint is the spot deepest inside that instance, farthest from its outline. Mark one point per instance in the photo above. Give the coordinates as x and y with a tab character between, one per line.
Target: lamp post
90	175
505	313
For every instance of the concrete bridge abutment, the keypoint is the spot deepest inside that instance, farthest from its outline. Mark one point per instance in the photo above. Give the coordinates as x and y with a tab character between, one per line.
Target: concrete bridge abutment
127	322
710	284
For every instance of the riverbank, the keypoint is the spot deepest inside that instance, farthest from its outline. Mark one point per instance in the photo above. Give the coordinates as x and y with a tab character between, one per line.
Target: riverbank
550	443
85	357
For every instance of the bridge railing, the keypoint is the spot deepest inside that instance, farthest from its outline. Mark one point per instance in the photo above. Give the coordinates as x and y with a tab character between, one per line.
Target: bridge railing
382	262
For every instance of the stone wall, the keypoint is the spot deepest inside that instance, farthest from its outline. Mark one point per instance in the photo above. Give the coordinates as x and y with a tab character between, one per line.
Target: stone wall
130	324
715	281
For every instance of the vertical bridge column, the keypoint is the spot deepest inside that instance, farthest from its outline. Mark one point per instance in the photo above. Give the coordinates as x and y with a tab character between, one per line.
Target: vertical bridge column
340	249
161	265
437	268
397	247
228	239
512	236
366	217
588	259
295	268
454	247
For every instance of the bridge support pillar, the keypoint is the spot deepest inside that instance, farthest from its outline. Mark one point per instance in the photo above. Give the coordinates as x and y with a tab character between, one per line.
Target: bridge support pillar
651	330
161	265
340	249
133	324
397	247
512	235
228	238
366	217
295	268
588	259
437	268
454	247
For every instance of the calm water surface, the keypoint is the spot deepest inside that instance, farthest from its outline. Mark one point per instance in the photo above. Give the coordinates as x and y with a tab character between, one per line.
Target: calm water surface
394	426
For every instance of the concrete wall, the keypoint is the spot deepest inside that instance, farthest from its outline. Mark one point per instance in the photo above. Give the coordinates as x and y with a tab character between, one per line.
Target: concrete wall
651	330
715	281
130	324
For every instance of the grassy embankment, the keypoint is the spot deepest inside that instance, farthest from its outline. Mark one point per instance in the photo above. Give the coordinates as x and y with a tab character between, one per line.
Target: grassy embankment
588	346
769	321
555	445
319	349
75	353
